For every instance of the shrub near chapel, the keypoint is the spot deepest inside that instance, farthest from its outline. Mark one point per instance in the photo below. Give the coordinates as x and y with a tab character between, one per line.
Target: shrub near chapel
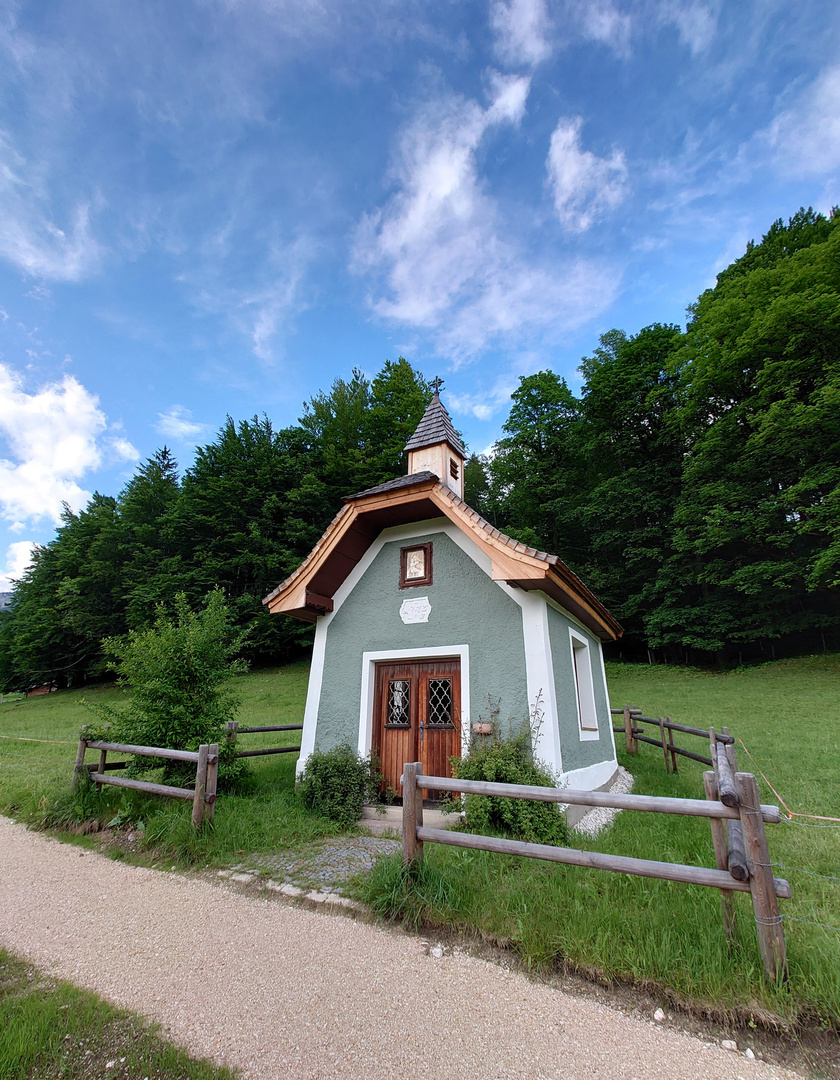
174	676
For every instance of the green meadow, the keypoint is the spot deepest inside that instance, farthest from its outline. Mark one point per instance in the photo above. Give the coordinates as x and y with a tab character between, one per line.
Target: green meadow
617	928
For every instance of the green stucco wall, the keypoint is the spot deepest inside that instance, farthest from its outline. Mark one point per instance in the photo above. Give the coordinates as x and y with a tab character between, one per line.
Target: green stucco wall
577	754
467	609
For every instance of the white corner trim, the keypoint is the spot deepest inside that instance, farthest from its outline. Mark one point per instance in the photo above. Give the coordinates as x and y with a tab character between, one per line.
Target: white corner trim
366	703
607	699
313	692
539	672
590	778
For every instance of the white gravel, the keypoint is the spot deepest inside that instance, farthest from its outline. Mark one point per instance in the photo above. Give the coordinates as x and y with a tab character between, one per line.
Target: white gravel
280	991
595	821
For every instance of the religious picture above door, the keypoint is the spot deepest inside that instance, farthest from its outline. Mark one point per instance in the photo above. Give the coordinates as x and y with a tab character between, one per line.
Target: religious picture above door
415	566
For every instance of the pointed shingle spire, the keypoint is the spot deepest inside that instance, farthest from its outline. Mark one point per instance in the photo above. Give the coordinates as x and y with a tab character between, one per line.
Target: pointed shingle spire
436	427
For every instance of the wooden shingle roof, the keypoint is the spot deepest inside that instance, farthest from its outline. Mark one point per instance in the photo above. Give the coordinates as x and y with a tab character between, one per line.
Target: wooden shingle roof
308	592
435	427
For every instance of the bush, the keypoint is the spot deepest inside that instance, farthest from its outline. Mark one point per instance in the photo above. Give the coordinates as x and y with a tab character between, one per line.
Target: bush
174	675
336	784
509	760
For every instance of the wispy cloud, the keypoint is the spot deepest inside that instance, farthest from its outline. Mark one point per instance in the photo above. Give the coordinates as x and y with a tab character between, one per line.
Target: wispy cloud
585	187
177	424
521	28
484	404
804	139
54	437
30	239
601	21
440	242
695	21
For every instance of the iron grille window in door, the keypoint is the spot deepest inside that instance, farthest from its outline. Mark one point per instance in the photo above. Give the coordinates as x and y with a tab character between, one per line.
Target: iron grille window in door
399	703
439	706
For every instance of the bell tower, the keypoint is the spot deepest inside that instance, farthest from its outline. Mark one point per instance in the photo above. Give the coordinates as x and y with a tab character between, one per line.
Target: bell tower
435	445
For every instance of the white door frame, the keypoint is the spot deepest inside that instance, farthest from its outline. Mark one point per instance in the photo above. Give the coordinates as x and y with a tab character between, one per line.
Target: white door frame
391	656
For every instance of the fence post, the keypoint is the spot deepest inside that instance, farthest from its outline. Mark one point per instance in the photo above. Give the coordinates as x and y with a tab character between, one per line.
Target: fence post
103	757
630	742
79	766
200	786
412	848
230	731
212	781
664	744
671	745
727	898
768	920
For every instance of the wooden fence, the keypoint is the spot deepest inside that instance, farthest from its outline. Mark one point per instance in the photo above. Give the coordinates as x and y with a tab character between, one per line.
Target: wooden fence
742	856
206	759
633	736
232	729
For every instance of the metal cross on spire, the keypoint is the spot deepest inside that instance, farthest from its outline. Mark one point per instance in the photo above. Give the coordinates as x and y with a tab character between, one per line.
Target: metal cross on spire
437	383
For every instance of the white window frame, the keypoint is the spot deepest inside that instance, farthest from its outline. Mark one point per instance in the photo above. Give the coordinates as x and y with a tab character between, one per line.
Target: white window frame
581	658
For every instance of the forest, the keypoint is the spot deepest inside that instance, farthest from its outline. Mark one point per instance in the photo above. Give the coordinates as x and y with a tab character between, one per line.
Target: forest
694	485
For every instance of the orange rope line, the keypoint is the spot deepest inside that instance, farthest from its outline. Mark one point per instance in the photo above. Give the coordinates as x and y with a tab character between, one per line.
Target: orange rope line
23	738
790	813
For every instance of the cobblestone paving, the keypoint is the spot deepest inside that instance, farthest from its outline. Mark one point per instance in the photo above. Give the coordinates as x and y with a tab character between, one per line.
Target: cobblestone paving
328	866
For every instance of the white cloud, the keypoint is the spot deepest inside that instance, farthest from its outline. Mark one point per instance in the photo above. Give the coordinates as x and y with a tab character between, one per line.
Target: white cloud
177	424
484	404
804	140
696	22
29	237
601	21
521	28
53	439
18	558
585	187
439	240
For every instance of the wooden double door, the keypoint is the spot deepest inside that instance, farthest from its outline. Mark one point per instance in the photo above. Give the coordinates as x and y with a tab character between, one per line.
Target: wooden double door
417	717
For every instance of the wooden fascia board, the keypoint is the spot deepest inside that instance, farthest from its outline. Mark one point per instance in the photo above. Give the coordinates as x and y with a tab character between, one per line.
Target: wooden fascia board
529	572
506	562
294	595
389	498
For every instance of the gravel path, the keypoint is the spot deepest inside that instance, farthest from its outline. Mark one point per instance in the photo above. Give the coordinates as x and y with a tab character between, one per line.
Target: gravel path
280	991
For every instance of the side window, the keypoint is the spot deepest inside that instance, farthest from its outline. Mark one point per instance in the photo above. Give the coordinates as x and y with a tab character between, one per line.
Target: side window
584	688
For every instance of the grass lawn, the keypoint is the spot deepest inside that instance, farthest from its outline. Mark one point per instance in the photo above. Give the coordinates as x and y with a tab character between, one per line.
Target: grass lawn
35	777
653	933
49	1028
664	933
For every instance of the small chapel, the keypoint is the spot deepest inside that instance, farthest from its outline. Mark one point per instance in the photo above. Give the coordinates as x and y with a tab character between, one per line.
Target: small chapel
430	625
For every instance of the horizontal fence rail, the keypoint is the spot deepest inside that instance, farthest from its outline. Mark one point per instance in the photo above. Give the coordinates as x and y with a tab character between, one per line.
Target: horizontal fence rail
145	751
737	823
232	729
633	734
622	864
203	794
659	804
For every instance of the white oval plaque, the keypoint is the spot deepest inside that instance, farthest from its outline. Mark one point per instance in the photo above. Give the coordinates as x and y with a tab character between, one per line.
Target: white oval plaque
415	610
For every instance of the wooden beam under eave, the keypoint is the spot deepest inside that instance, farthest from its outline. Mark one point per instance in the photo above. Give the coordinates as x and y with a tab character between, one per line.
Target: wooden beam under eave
317	603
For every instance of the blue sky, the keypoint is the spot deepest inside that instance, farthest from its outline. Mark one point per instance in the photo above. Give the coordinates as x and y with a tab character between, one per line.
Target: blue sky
213	207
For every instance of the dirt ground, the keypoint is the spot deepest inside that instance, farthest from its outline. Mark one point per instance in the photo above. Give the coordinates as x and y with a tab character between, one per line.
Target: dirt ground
275	989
